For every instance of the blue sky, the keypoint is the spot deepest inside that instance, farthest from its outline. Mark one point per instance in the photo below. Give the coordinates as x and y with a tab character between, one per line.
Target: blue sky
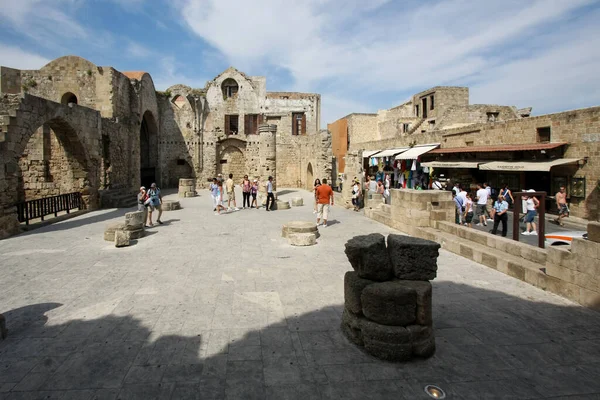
361	56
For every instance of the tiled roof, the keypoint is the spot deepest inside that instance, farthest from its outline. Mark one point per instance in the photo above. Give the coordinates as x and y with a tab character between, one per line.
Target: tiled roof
134	74
495	148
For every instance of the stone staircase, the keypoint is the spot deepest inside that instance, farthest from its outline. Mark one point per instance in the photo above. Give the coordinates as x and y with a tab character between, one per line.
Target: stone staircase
117	198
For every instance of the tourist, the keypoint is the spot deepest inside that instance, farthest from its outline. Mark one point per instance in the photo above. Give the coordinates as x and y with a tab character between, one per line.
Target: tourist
253	192
270	196
386	192
458	212
462	193
141	206
356	195
468	215
482	199
214	193
155	203
561	204
220	178
507	194
500	210
372	185
436	185
231	194
491	194
380	190
220	203
246	186
315	186
324	198
456	188
531	204
367	182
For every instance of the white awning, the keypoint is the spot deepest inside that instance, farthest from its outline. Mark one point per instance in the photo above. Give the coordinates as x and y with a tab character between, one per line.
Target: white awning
370	153
415	152
392	152
526	165
451	164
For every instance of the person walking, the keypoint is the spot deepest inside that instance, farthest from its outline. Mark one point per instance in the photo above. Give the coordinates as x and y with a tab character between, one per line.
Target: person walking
356	194
482	199
381	190
141	206
155	203
324	198
469	211
270	196
500	215
246	185
231	194
386	192
491	194
561	204
219	203
253	192
315	186
531	204
459	209
214	193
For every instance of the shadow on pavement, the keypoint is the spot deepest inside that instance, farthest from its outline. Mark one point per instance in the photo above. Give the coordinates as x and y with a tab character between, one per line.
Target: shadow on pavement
489	345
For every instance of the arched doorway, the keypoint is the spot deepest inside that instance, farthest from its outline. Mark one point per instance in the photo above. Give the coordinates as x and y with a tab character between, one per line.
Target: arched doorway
53	162
148	149
310	179
232	161
68	98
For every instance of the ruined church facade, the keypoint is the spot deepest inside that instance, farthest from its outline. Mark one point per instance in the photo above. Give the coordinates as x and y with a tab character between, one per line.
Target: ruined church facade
73	126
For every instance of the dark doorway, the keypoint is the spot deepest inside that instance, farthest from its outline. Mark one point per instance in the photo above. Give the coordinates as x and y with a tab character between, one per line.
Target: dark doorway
148	150
68	98
424	100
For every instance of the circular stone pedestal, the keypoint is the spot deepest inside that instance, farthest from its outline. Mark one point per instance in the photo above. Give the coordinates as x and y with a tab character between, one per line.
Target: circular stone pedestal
302	239
282	205
297	201
299	227
170	205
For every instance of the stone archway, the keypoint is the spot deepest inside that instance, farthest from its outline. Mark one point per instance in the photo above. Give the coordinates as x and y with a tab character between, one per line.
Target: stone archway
148	149
310	178
232	161
53	162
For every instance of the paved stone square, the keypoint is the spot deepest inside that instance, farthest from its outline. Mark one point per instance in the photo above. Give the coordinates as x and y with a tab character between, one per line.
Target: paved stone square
218	307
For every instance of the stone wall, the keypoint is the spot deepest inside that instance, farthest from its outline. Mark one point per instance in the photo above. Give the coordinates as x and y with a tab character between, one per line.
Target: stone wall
363	129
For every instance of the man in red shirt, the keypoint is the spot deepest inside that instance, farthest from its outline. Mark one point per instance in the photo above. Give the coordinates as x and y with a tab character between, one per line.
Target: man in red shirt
324	197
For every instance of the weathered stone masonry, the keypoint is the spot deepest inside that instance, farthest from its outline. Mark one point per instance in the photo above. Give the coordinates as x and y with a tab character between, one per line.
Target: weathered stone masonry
74	126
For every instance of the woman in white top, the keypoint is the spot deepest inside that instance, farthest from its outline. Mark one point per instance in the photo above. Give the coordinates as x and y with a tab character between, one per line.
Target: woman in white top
531	204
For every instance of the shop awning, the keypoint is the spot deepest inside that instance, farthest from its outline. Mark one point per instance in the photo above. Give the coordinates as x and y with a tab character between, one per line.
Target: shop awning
370	153
518	166
451	164
414	152
392	152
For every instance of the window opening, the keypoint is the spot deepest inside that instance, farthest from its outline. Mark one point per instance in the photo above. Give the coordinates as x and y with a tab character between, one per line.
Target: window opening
543	134
230	88
68	98
298	124
431	103
417	110
231	124
424	101
492	116
180	162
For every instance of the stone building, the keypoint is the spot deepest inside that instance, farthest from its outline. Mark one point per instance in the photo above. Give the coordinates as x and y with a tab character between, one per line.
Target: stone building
72	126
480	143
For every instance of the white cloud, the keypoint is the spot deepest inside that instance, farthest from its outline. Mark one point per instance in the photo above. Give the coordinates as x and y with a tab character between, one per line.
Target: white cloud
14	57
136	50
169	75
386	46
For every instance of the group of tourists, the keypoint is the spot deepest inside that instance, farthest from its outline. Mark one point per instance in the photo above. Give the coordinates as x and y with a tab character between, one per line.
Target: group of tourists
249	191
323	200
149	201
467	208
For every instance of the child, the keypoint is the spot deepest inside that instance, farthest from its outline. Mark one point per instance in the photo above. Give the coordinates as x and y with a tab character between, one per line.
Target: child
253	192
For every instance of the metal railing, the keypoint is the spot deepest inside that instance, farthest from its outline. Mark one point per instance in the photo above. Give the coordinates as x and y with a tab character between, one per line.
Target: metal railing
39	208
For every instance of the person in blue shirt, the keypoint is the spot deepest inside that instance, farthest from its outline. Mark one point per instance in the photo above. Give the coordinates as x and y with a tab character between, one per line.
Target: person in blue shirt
155	203
500	215
458	202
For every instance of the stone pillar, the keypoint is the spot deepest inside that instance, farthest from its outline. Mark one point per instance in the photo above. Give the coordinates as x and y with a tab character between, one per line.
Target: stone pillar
352	169
388	296
267	154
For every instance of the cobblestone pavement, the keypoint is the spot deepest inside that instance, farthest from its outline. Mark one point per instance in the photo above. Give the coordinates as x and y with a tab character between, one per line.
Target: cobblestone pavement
212	306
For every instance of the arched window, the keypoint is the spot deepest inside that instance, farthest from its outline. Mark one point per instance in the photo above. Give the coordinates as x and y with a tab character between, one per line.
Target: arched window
229	87
179	101
68	98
